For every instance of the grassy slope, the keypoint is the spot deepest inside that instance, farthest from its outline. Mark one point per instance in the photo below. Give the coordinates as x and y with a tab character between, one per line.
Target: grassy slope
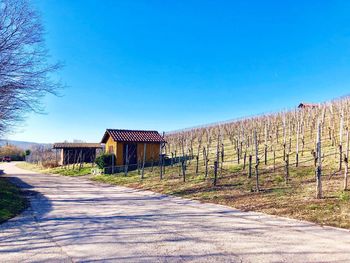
57	170
295	200
11	200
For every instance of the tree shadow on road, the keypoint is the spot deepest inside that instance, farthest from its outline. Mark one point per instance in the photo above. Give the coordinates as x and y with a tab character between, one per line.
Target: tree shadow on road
111	224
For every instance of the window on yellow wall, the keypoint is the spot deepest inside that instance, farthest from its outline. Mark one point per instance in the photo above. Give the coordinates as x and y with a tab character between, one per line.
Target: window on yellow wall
110	149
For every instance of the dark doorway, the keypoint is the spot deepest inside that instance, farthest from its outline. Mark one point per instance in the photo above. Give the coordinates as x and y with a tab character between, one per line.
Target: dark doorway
132	153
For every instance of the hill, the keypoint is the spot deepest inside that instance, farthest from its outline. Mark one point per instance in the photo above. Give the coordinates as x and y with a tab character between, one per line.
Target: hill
22	144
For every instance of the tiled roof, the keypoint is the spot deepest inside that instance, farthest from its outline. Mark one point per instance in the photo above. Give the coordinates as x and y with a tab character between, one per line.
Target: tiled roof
133	136
76	145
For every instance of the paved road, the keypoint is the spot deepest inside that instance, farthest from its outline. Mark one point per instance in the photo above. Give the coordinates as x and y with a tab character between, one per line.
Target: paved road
75	220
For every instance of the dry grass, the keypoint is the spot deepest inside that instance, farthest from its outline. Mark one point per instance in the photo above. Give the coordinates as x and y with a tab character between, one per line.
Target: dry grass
294	200
68	171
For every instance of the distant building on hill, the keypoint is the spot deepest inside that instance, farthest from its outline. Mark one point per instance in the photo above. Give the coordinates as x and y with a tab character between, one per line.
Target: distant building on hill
304	105
76	152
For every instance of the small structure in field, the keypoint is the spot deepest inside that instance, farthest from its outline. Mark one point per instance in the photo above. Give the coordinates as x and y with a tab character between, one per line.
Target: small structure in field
133	146
304	105
71	153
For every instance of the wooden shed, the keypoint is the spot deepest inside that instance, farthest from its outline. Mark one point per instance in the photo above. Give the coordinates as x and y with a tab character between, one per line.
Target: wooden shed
70	153
129	146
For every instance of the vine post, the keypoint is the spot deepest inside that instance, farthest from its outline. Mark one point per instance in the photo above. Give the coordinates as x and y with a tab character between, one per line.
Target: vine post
143	160
256	161
346	160
319	164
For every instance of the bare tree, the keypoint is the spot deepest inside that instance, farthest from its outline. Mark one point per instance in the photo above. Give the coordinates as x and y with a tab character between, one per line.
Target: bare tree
24	66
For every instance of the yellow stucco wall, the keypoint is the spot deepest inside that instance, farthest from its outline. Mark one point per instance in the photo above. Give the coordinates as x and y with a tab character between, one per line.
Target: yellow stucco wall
119	153
111	143
152	151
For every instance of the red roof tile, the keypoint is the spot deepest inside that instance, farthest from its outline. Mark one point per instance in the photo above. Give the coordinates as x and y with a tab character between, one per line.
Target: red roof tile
133	136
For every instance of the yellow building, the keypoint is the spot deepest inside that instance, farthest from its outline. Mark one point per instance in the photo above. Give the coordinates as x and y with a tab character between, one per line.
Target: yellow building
129	146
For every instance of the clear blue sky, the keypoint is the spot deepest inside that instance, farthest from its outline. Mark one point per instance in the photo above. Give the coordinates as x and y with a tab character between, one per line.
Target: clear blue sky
168	65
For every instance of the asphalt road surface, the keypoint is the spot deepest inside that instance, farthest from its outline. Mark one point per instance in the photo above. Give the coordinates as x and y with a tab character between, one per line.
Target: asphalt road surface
76	220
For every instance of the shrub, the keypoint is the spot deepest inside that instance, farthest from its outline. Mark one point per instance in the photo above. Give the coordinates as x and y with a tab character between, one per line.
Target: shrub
344	196
104	160
49	164
279	179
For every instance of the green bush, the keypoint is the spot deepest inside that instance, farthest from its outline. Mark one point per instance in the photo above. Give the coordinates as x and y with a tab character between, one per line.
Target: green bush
344	196
104	160
279	179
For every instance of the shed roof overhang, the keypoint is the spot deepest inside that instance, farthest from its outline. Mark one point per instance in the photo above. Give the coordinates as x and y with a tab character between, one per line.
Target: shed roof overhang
65	145
142	136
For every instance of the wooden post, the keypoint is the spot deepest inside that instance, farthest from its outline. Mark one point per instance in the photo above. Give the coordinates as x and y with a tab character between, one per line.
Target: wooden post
160	161
74	158
256	162
160	166
139	166
341	141
222	157
221	168
244	160
82	161
222	153
238	155
215	172
143	160
184	159
198	150
290	137
241	149
205	161
284	138
217	153
287	169
346	160
297	146
197	161
112	163
183	170
274	160
218	149
250	166
126	166
265	150
302	140
319	164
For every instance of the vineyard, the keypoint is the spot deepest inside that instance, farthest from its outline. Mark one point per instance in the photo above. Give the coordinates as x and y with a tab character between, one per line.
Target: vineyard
292	163
283	143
